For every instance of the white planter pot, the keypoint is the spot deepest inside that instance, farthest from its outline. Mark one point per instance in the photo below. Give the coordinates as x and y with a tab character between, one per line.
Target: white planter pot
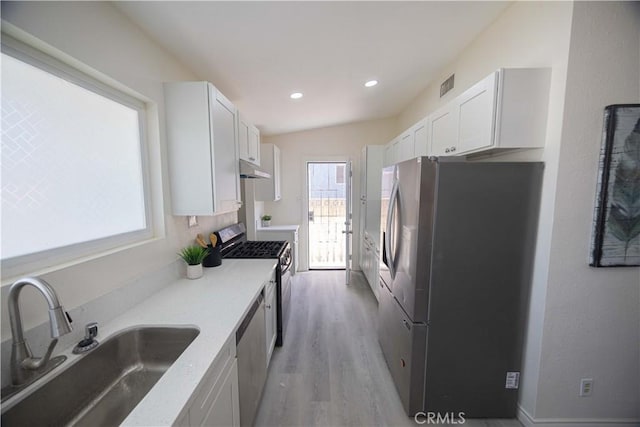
194	271
266	223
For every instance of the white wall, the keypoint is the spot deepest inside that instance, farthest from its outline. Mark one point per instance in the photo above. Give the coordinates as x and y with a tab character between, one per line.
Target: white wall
97	34
527	34
331	143
592	316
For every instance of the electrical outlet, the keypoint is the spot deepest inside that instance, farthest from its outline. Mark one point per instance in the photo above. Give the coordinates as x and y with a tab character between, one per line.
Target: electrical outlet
586	387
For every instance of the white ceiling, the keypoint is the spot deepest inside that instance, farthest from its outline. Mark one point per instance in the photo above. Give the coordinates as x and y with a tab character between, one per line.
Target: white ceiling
258	53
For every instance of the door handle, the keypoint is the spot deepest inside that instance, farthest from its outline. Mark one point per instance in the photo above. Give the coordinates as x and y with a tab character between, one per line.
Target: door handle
311	216
347	232
388	234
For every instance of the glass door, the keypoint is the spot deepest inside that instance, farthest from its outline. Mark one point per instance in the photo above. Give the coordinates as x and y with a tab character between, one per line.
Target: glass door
327	214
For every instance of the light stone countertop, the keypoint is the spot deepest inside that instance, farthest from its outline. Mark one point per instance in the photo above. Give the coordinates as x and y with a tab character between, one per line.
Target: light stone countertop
279	228
216	304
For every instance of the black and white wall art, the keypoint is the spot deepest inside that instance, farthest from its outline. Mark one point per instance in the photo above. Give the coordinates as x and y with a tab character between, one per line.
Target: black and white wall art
616	229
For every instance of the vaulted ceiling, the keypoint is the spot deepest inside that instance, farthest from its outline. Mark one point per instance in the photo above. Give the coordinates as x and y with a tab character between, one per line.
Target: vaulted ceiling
258	53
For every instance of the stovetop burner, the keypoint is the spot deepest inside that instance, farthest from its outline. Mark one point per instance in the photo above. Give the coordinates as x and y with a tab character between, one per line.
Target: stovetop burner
256	249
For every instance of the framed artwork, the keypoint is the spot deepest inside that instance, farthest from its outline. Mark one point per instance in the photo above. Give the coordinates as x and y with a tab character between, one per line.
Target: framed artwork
616	230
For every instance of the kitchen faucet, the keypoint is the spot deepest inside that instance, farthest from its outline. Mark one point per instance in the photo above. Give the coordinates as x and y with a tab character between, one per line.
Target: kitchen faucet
24	367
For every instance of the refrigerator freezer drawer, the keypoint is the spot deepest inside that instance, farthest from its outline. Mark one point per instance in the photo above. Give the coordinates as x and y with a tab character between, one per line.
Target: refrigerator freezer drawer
403	344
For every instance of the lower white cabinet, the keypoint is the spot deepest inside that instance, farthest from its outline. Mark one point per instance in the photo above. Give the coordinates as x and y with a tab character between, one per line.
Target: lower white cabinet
216	401
224	409
370	260
270	321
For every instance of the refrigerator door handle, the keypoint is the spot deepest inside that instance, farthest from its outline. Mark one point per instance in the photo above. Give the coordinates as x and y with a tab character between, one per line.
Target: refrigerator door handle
390	213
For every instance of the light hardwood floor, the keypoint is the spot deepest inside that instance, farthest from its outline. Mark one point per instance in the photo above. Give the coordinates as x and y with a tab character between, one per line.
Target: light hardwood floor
331	371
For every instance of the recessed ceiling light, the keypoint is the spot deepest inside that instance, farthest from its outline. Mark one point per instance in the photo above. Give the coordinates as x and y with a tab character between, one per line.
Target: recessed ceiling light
371	83
296	95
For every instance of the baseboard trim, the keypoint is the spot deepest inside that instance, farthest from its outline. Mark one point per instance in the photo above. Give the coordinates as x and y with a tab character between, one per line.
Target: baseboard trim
528	421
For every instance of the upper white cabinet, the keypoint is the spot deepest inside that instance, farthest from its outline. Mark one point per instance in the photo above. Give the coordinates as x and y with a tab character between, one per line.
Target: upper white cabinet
420	133
506	109
269	189
443	131
203	154
476	112
406	146
389	157
248	141
411	143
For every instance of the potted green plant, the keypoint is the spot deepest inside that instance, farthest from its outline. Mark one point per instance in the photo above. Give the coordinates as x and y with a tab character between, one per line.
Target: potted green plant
193	256
266	220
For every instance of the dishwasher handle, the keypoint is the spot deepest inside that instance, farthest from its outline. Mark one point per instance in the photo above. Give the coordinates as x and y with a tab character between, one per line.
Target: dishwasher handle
247	319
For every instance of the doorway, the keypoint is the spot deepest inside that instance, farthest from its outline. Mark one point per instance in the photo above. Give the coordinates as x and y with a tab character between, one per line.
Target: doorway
328	191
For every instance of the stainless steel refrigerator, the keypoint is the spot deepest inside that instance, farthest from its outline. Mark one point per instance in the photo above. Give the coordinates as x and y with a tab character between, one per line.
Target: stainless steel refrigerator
457	253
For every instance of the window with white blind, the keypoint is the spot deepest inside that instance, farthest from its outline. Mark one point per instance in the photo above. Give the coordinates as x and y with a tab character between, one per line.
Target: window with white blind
73	160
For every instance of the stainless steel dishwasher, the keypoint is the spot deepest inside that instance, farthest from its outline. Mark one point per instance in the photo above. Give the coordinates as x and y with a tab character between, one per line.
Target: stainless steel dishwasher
251	348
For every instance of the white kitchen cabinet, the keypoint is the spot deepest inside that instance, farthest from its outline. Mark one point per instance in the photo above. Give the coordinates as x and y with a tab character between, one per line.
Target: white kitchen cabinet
406	146
421	138
507	109
268	189
370	263
371	163
248	141
442	131
225	408
270	321
216	401
282	232
392	152
203	153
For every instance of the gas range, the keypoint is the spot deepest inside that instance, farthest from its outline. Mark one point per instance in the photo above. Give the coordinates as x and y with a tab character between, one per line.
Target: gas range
234	244
255	249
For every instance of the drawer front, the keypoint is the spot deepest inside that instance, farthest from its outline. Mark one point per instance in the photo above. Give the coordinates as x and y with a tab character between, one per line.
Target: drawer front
205	394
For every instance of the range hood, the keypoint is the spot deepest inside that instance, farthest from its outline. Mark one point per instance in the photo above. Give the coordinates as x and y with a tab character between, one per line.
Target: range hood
247	170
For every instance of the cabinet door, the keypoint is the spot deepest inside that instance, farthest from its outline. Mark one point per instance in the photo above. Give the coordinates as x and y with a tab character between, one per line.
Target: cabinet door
443	131
421	138
387	158
268	190
271	327
225	409
243	138
406	146
476	109
253	145
226	175
395	151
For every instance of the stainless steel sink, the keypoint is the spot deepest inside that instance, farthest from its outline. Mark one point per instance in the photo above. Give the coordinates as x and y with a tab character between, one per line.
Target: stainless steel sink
104	386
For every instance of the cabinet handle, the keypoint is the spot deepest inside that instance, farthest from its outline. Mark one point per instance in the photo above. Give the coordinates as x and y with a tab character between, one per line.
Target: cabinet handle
453	149
268	306
446	150
252	158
